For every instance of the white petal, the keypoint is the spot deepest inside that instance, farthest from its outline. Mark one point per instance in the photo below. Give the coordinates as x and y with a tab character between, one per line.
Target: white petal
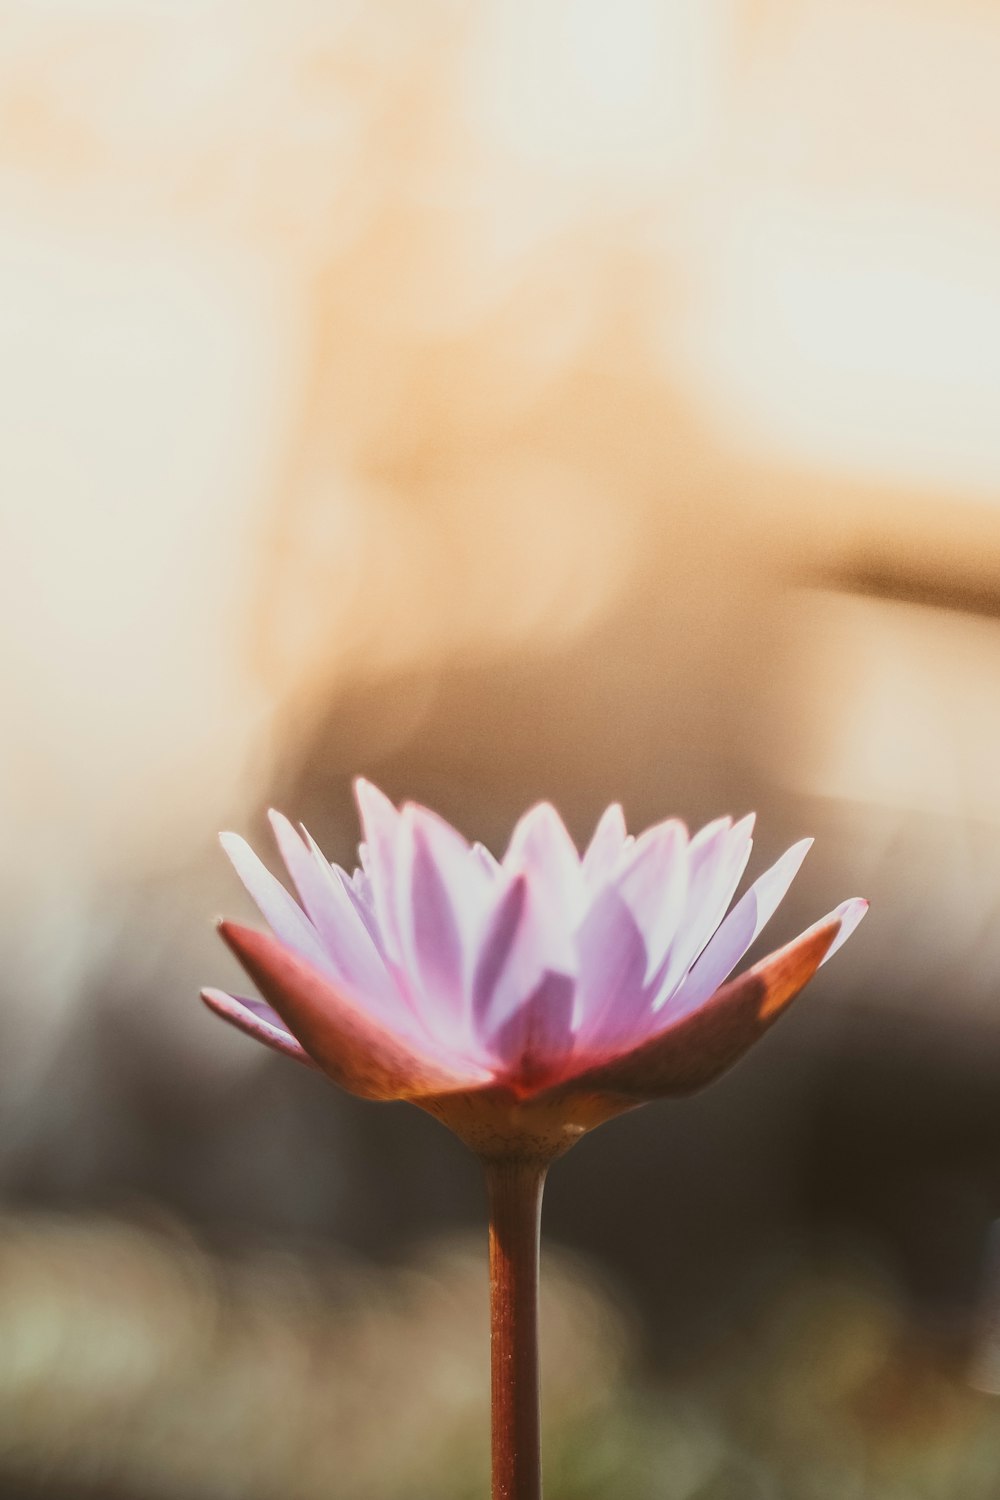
520	945
286	918
442	899
379	854
313	883
653	882
717	857
606	846
536	1039
742	926
850	913
486	860
541	846
258	1020
613	964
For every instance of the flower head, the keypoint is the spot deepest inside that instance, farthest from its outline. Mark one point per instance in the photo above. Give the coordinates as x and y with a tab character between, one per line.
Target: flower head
523	1000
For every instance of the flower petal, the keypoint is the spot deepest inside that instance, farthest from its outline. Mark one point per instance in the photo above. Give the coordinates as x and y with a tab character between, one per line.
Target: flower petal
442	901
336	911
534	1042
257	1020
520	945
717	857
850	914
541	847
357	888
739	930
282	913
653	881
379	854
356	1049
486	860
606	846
312	886
692	1050
613	962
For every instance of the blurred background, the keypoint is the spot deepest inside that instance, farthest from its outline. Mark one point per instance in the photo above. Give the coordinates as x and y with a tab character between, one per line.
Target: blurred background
503	401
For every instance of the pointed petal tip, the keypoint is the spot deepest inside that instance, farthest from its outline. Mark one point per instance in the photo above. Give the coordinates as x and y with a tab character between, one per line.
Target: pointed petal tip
237	931
848	916
240	939
221	1002
255	1021
366	791
794	855
213	997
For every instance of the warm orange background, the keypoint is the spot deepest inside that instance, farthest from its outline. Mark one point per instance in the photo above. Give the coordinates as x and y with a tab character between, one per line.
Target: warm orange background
502	400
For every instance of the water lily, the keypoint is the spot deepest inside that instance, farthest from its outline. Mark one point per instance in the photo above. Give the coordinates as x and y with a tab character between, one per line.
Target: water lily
522	1000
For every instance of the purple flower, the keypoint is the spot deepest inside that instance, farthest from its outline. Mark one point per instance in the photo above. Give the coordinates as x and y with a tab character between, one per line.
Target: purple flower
522	1000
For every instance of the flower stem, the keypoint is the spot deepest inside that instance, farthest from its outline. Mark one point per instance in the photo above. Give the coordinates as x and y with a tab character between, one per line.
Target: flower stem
515	1199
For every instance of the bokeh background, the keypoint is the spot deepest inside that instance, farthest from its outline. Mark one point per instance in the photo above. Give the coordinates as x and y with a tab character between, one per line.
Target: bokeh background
502	400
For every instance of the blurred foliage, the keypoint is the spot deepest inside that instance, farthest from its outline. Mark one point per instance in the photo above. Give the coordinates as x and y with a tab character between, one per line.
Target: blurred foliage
134	1361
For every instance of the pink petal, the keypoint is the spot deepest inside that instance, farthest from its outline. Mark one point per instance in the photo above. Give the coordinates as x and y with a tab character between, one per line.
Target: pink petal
442	898
357	889
613	962
336	912
541	846
486	860
257	1020
282	913
739	930
355	1048
534	1042
520	945
717	857
606	846
849	914
314	881
379	854
694	1048
498	940
653	883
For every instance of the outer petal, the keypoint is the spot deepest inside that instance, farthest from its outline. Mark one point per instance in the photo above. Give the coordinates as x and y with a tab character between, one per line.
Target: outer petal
258	1021
355	1049
850	914
739	930
693	1050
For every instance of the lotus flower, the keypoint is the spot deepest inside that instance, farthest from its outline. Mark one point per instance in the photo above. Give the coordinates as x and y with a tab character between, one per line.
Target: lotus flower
520	1000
